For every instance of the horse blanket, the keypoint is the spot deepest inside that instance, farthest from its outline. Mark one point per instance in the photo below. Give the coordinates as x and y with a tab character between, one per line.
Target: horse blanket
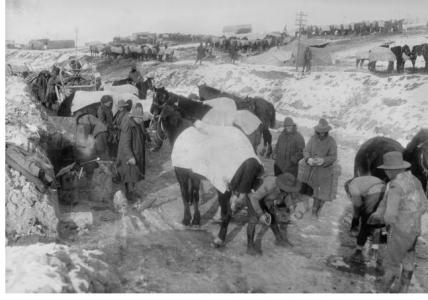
215	152
381	54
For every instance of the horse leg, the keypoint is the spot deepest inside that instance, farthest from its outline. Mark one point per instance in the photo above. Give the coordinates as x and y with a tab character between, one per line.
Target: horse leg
195	200
267	139
183	180
226	215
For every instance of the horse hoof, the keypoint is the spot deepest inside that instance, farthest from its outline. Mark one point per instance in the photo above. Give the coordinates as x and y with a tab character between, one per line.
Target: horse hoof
254	251
218	243
185	222
284	243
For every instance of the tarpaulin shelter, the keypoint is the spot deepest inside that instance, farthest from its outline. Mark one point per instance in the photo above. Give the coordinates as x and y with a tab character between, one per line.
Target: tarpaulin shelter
320	53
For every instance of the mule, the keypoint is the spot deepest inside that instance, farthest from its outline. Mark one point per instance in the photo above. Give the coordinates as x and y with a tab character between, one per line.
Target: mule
416	153
263	109
370	156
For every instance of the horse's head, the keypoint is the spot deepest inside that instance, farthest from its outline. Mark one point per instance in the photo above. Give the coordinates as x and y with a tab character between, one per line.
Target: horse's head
160	97
406	50
423	156
165	125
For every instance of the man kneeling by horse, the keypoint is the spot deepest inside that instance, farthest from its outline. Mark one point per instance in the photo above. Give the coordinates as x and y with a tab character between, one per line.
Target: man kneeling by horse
269	194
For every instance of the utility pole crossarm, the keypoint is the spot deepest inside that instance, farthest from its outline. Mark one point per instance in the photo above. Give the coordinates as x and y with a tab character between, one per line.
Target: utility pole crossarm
300	22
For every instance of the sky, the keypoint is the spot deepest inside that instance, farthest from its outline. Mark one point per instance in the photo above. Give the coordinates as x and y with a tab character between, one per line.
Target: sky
101	20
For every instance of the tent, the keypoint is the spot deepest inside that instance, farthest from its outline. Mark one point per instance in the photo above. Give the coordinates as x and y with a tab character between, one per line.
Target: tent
320	53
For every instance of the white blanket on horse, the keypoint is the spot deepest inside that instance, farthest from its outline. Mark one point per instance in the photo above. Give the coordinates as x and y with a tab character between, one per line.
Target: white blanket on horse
215	152
222	113
247	121
225	113
85	98
381	54
121	89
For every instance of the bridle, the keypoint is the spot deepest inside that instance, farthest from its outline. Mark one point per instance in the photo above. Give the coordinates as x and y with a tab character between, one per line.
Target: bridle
421	158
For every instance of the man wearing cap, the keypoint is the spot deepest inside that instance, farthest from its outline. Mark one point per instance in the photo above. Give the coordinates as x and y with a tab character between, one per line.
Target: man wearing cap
200	54
401	210
365	193
320	154
133	75
272	191
289	149
104	112
131	158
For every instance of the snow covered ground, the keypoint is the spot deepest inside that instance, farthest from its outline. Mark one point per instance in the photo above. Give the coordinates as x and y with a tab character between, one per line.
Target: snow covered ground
53	268
358	104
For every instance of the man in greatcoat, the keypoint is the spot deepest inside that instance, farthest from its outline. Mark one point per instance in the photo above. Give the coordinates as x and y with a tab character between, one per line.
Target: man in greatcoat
320	154
401	210
131	160
104	112
289	149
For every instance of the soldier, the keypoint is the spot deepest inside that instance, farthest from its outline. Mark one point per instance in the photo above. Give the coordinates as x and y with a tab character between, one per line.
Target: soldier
401	210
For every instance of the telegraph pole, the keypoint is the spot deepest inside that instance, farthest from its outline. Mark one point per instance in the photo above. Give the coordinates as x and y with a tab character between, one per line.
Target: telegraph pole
300	23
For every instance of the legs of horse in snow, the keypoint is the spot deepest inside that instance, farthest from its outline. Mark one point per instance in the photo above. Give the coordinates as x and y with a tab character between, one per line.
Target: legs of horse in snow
189	186
226	215
194	189
184	182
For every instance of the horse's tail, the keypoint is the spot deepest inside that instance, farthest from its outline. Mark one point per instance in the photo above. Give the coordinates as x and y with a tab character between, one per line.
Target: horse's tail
272	116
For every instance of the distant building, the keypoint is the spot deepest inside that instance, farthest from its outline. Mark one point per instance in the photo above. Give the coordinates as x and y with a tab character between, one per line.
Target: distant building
60	44
143	37
39	44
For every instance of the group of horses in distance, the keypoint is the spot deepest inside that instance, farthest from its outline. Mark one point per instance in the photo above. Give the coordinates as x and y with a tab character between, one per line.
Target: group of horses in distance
140	52
358	28
417	50
245	44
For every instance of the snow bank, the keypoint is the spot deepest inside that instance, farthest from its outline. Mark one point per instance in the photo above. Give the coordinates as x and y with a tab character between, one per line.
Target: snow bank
357	104
43	59
52	268
28	211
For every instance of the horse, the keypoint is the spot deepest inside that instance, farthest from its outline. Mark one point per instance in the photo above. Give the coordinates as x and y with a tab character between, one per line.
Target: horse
416	153
142	85
370	156
263	109
398	52
170	126
420	50
220	111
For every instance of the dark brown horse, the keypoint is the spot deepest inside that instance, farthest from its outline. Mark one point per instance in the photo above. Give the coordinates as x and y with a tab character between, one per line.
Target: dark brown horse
370	156
416	153
263	109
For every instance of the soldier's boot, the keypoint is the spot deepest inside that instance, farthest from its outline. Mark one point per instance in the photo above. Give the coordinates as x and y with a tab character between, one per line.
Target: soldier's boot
403	286
386	282
251	232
